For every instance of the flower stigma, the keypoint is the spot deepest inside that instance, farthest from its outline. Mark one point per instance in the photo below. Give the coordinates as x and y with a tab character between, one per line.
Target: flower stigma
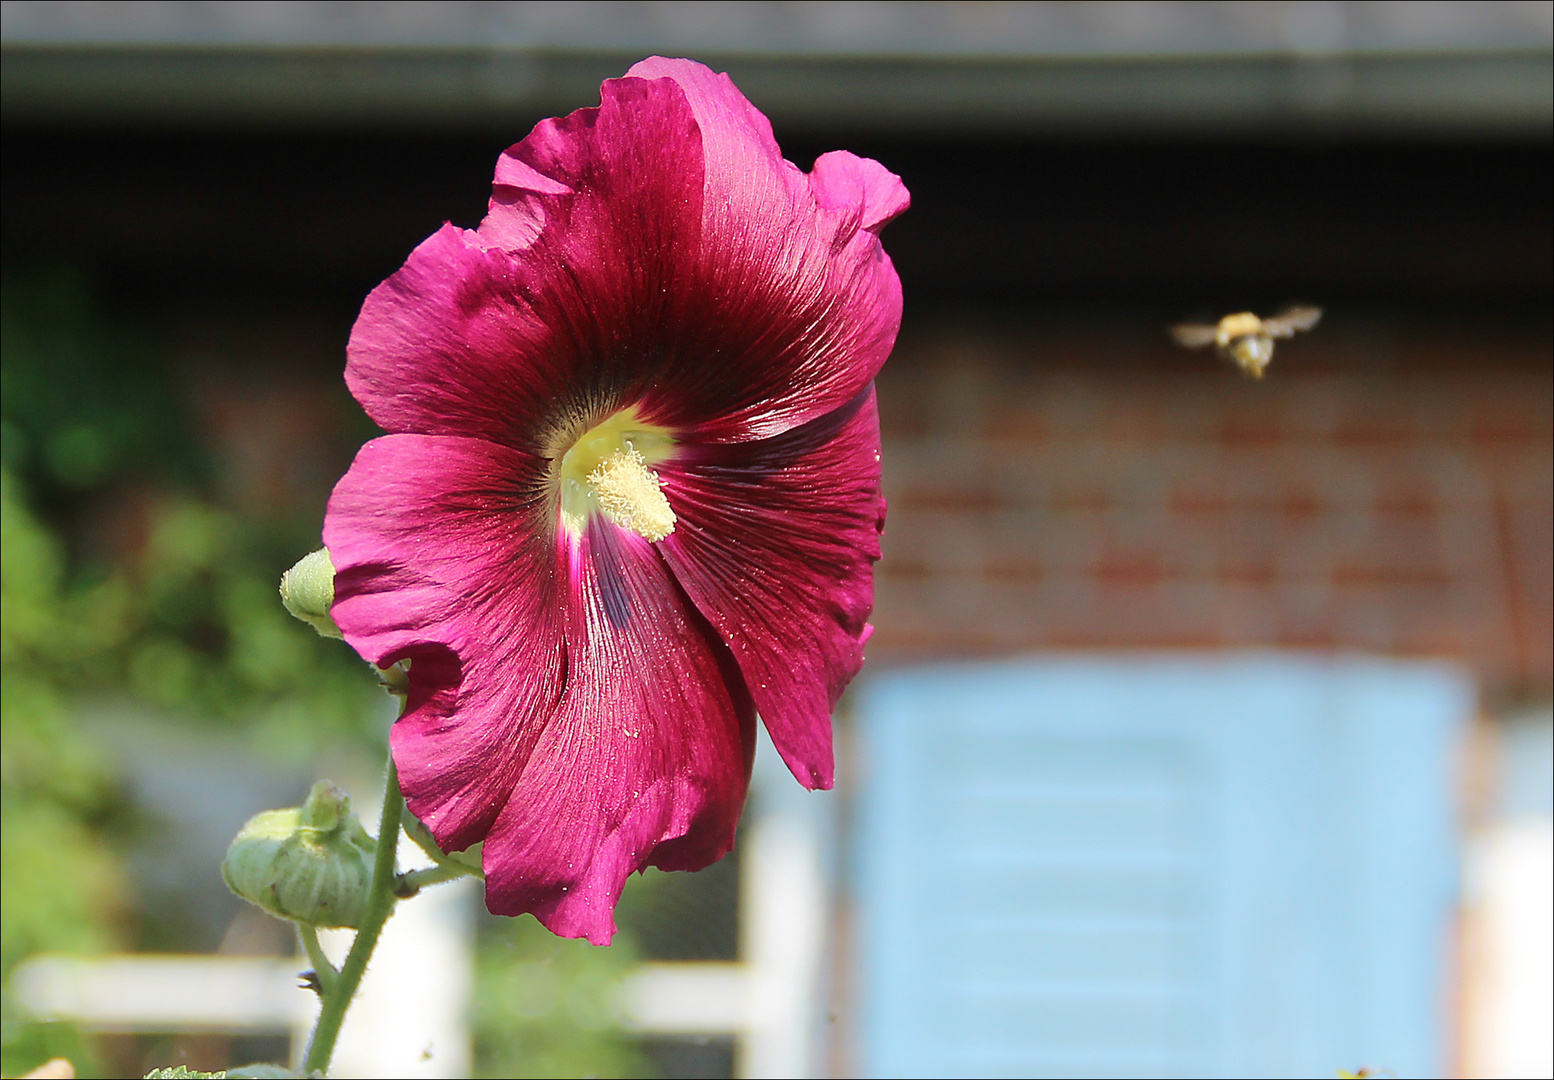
607	470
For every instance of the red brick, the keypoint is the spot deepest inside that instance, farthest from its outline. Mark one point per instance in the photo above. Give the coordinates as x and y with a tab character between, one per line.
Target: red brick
1135	571
1405	504
1242	430
1250	574
1088	506
1300	505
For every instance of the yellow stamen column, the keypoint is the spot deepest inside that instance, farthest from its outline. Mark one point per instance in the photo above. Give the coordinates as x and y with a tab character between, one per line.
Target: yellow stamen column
607	470
632	496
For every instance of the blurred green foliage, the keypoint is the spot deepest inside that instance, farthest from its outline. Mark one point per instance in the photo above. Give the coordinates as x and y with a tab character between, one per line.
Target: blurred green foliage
543	1004
163	593
124	578
61	887
85	398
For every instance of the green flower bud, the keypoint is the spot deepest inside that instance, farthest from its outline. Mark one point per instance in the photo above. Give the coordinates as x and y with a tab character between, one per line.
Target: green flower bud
308	591
310	863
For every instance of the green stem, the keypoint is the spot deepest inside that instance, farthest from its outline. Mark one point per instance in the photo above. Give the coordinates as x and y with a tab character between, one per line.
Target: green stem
380	903
322	968
411	882
459	865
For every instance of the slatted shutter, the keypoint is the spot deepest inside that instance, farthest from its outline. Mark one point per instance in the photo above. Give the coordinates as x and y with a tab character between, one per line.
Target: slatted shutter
1157	867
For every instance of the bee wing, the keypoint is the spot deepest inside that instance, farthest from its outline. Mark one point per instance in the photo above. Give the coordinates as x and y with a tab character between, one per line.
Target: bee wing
1290	320
1193	335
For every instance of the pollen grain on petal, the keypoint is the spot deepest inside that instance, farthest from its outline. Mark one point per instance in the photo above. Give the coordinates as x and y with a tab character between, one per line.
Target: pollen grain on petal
631	495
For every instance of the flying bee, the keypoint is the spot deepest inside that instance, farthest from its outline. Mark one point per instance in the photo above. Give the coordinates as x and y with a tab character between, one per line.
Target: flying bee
1244	339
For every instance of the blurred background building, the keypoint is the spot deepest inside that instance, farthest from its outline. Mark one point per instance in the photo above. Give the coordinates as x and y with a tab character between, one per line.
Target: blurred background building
1206	729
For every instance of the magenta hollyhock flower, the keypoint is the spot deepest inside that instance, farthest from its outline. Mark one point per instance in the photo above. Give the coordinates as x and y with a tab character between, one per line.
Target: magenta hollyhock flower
630	495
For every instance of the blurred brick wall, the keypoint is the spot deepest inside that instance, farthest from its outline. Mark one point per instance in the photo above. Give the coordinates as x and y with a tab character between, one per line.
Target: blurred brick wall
1385	489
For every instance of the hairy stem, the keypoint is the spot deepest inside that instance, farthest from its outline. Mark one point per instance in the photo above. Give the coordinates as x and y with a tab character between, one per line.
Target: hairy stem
322	968
459	864
411	882
380	902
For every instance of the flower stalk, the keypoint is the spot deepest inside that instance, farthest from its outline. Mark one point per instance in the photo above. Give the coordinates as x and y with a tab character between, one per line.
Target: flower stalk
411	882
323	970
338	987
269	845
380	904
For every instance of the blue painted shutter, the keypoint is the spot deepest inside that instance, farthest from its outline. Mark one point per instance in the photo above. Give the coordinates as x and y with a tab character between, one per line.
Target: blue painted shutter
1239	867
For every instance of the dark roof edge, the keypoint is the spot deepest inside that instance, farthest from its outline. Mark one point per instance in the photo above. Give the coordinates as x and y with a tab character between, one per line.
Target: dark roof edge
1464	93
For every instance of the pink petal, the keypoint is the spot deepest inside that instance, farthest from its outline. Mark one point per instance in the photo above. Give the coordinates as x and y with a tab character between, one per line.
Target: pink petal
645	760
775	544
851	184
784	254
471	337
437	559
568	705
656	251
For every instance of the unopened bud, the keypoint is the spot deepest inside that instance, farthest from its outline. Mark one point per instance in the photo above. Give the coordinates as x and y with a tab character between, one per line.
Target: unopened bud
308	591
310	863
